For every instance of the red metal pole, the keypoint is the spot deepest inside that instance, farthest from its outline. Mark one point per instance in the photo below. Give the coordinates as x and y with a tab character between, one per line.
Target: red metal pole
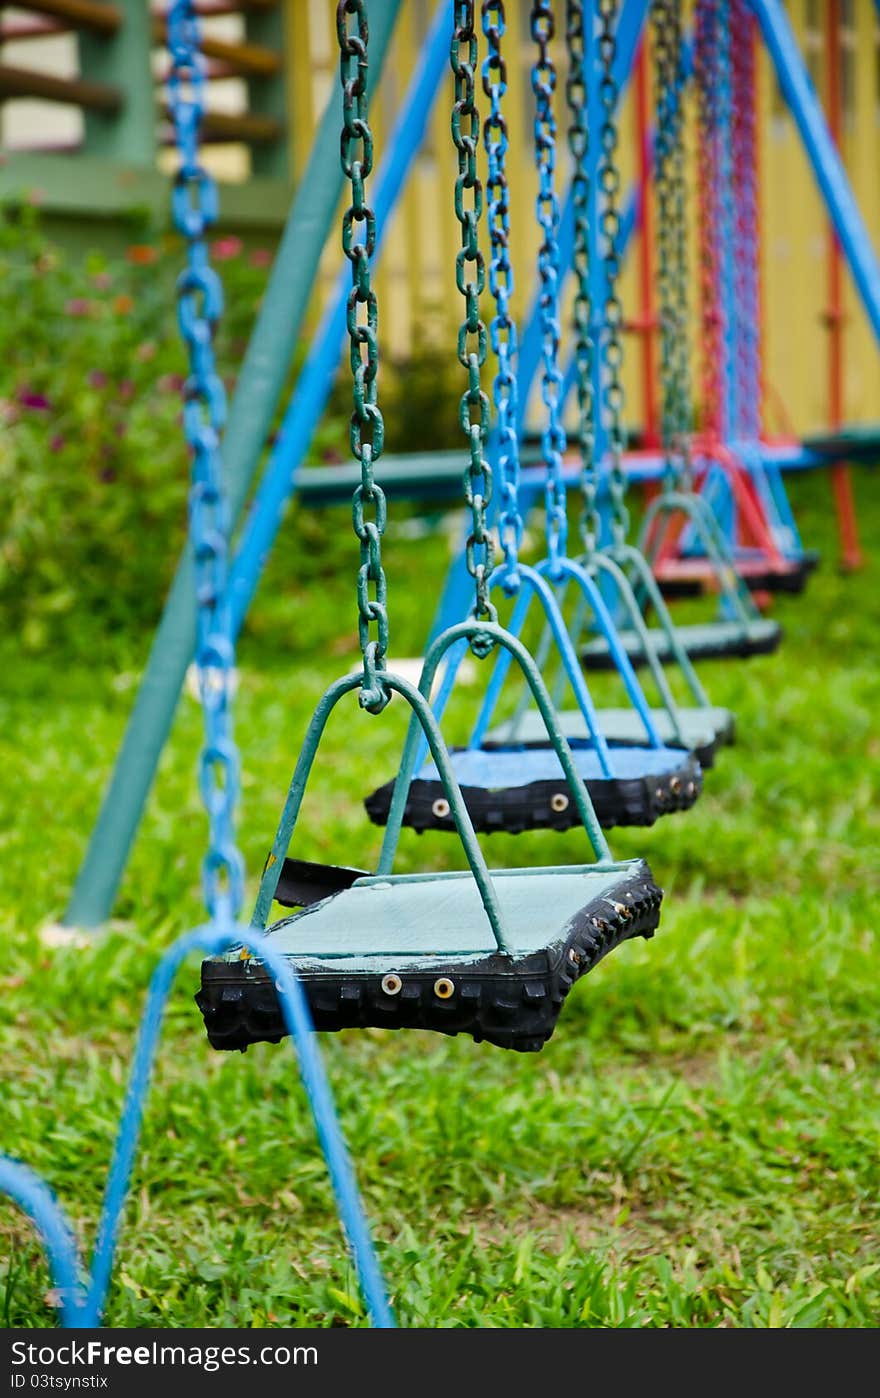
850	552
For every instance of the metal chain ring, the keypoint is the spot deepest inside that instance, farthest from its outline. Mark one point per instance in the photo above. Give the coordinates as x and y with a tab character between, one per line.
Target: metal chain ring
609	226
472	336
553	441
367	429
502	330
709	212
199	306
745	197
579	147
670	184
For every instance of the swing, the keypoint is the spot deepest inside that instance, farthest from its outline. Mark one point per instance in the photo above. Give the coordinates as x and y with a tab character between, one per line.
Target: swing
739	486
492	955
740	630
513	786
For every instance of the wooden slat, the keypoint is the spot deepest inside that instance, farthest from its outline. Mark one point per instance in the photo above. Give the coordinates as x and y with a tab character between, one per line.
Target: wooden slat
79	14
248	60
245	126
78	92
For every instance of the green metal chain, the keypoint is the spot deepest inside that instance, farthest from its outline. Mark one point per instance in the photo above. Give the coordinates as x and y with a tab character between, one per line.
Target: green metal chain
472	335
680	278
609	226
672	244
579	145
367	430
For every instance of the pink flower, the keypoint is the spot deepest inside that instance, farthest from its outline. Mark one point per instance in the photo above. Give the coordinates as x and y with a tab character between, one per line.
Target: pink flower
126	388
225	248
170	383
97	378
145	352
102	280
260	257
57	443
78	306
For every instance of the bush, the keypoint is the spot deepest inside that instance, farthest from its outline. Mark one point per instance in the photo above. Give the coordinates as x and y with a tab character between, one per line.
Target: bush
93	469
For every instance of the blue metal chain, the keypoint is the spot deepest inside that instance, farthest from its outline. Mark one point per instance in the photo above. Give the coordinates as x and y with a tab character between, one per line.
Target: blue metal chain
199	306
726	231
502	329
579	149
553	440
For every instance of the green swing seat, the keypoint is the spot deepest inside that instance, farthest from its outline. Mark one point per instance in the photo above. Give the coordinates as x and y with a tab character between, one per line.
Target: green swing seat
440	967
703	729
713	640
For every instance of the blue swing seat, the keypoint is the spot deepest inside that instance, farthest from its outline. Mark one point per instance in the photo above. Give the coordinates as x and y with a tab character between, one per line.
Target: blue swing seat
518	787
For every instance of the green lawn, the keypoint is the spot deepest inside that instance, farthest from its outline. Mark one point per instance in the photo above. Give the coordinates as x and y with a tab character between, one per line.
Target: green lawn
697	1145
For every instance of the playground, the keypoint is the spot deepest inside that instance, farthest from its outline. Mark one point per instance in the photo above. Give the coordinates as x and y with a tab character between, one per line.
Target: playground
687	1134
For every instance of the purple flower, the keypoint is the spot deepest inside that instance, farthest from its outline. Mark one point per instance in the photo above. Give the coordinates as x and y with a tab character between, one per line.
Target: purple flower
78	306
57	443
97	378
126	388
38	401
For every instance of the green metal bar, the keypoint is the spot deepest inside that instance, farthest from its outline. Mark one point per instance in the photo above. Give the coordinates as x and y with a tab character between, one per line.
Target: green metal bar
268	95
470	630
717	552
422	718
258	389
122	58
628	553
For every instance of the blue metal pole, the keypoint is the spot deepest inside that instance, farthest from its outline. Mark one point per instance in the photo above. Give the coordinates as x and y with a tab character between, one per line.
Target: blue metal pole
313	386
831	178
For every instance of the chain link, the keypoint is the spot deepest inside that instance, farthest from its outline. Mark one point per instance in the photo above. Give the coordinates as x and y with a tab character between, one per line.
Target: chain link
367	429
609	226
579	149
472	335
553	441
670	183
199	306
745	199
706	65
502	329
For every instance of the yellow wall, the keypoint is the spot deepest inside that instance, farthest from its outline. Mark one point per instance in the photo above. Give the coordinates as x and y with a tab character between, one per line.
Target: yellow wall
415	281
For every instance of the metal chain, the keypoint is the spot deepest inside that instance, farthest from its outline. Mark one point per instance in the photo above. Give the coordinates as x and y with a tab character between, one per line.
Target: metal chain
670	183
745	197
725	229
553	441
199	306
579	147
367	429
708	211
472	335
502	329
609	226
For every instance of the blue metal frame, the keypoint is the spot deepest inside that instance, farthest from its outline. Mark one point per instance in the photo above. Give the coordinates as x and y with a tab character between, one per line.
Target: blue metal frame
84	1295
798	91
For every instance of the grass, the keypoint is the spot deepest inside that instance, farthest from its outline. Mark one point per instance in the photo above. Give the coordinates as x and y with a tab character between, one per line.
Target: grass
697	1145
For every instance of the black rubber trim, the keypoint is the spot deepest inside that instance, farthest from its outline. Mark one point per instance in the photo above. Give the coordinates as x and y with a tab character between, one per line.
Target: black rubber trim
545	805
512	1003
301	883
736	645
792	580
